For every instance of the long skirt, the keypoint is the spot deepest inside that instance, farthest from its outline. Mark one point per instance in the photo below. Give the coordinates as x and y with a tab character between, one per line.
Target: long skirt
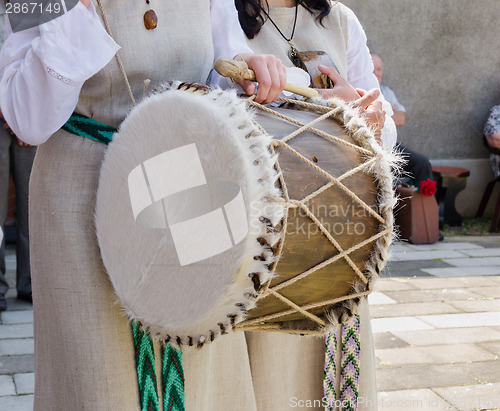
84	356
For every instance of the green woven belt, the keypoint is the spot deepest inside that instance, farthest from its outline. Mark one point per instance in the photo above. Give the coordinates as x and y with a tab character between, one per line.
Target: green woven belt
86	127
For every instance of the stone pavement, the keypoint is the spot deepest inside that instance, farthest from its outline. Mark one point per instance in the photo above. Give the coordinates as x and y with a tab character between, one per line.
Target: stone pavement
436	324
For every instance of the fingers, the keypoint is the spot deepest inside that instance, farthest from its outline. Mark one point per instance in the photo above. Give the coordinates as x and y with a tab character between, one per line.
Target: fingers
22	143
367	97
375	116
247	86
330	72
341	87
270	74
371	108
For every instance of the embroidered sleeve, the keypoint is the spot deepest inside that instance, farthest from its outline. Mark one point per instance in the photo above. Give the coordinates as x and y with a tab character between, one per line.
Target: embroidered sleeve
42	70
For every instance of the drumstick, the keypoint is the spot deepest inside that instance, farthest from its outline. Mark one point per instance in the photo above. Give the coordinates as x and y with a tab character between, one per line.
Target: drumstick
238	70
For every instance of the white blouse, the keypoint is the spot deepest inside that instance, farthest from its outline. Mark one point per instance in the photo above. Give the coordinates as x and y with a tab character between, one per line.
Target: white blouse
34	66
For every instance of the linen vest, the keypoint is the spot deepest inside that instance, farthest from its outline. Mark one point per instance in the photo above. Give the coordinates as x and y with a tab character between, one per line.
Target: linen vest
330	37
172	51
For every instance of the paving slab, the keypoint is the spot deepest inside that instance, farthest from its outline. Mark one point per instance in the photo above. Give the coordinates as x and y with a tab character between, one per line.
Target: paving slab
398	324
472	262
404	274
483	372
493	347
472	397
16	331
394	266
393	378
17	317
436	354
463	271
7	386
412	309
17	403
462	320
496	279
13	364
482	252
25	383
393	284
388	340
401	246
447	246
476	306
438	295
16	305
379	298
421	400
454	282
425	255
17	346
11	294
493	292
10	264
449	336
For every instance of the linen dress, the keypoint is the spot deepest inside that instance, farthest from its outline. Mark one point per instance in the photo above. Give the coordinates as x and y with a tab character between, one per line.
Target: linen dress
333	38
84	356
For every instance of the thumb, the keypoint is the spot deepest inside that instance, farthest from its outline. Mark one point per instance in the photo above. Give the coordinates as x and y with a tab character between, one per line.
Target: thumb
367	97
247	86
329	71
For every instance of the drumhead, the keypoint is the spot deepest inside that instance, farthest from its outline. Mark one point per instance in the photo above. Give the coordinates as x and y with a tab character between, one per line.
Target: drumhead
182	210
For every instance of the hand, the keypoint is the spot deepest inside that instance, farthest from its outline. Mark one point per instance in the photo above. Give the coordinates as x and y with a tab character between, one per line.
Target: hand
341	89
371	109
269	72
494	140
22	143
6	127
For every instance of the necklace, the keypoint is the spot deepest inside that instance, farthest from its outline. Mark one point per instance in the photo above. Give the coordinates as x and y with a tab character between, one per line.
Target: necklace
150	18
293	52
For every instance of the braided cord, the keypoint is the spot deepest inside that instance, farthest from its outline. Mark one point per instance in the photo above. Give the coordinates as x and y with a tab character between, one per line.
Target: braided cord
329	379
349	371
173	379
145	365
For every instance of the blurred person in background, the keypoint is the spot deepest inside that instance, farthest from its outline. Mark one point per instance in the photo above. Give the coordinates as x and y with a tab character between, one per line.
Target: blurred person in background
17	158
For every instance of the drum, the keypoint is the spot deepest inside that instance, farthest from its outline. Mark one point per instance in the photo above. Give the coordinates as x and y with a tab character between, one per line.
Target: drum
213	216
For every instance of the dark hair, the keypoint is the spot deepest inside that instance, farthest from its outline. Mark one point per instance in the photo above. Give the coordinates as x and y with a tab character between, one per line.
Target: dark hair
252	18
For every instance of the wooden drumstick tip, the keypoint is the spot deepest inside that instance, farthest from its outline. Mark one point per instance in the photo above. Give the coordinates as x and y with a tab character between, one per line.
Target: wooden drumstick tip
235	69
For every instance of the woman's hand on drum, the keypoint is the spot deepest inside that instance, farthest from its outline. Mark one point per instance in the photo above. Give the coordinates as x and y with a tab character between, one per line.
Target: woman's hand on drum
341	87
372	109
270	73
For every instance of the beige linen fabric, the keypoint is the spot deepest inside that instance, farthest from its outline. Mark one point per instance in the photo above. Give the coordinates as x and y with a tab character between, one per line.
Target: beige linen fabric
84	357
330	37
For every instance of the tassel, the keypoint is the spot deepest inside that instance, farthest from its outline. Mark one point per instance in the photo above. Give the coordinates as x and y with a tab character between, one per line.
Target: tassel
145	365
349	371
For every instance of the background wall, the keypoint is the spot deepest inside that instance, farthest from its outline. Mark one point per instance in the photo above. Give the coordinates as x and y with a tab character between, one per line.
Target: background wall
442	59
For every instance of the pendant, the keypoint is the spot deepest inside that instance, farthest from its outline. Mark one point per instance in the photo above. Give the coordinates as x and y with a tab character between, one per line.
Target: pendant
293	55
150	20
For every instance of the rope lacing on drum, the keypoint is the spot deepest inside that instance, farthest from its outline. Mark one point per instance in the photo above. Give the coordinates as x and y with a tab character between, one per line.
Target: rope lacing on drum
371	158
